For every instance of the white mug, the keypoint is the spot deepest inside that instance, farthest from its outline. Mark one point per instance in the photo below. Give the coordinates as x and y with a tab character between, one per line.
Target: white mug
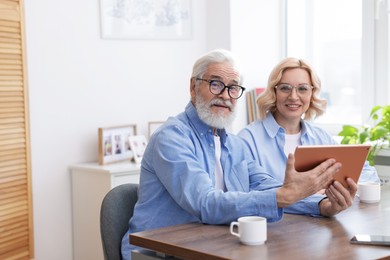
252	230
369	192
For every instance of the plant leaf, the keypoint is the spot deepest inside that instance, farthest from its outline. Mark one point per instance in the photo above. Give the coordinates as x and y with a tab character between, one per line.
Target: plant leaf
349	130
374	109
379	132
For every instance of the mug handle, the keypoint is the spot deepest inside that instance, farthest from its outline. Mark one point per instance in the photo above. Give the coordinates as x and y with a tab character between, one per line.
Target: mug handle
234	223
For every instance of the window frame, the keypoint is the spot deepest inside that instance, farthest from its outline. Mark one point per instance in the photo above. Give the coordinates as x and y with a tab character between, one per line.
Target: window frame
375	56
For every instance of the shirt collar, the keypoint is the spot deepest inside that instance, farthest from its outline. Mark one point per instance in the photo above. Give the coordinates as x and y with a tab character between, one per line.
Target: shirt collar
272	127
306	129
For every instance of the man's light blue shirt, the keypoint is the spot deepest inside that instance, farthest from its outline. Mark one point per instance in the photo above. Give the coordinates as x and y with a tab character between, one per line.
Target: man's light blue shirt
266	139
177	182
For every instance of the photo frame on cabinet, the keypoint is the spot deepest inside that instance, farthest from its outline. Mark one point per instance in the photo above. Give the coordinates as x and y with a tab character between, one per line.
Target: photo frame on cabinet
114	143
153	125
146	20
138	145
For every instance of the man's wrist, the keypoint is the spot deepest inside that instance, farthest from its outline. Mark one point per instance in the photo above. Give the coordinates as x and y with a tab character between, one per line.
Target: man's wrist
283	198
323	200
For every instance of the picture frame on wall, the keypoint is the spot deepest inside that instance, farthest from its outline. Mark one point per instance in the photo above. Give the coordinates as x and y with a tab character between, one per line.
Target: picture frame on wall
146	20
114	143
153	125
138	145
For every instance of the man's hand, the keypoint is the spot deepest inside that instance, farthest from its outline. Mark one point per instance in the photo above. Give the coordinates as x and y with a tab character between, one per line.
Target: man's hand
339	198
299	185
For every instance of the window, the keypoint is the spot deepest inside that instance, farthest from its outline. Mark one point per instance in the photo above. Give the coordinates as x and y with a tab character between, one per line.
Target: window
333	36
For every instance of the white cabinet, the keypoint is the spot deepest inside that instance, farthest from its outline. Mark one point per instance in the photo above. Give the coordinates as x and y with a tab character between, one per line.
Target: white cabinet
90	183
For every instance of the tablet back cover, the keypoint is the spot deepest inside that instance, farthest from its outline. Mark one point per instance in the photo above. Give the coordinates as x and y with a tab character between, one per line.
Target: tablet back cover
352	158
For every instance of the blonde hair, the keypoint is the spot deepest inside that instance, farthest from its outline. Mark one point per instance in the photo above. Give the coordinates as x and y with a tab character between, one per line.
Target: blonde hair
267	100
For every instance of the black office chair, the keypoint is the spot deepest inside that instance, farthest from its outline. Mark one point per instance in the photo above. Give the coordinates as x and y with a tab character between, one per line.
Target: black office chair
116	210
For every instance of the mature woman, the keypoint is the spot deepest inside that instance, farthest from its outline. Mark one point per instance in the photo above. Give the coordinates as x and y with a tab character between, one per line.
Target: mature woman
289	102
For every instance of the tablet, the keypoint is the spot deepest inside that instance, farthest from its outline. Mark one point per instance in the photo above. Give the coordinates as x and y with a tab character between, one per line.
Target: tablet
351	156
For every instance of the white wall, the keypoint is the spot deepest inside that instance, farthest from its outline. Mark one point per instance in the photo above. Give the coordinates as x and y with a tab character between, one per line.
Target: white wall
256	39
79	82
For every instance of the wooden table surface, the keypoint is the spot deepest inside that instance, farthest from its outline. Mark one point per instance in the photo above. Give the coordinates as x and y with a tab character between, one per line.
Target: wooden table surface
294	237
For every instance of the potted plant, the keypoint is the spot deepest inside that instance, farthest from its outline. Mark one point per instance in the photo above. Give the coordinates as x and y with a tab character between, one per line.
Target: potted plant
377	133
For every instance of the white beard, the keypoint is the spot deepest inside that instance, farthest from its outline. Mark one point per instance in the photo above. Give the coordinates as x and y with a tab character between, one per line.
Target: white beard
217	120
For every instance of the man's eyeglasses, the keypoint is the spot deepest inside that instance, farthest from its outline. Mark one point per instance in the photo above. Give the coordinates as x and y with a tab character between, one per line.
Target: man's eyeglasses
217	87
302	90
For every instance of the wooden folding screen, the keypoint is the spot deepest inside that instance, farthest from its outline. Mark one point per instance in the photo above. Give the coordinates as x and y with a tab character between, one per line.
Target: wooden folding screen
16	226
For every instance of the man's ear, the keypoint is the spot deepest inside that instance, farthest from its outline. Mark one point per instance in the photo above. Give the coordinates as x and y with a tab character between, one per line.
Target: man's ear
192	87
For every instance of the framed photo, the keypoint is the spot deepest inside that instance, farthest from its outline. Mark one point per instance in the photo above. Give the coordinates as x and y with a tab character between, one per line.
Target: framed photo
138	145
114	143
146	19
153	125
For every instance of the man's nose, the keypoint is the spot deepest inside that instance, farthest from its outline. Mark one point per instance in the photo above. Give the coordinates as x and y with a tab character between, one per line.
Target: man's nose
225	94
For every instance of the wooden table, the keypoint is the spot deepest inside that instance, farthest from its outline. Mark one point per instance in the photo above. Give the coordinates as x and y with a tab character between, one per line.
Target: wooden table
294	237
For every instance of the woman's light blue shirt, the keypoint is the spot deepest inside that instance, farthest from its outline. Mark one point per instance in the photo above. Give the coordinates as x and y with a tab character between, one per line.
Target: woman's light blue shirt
266	139
177	180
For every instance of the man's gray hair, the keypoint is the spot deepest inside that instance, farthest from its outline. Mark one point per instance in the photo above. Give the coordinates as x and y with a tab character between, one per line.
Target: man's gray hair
215	56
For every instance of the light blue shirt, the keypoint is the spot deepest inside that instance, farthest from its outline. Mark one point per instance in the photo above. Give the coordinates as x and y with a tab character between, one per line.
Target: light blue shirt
266	139
177	182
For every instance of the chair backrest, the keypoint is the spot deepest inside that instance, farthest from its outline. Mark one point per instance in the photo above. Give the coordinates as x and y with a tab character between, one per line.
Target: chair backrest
116	210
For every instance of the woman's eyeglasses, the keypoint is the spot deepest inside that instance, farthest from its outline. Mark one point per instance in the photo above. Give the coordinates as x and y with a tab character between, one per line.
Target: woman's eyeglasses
302	90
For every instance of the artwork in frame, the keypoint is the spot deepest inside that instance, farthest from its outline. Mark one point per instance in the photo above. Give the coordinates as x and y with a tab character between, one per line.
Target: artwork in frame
153	125
138	145
114	143
146	19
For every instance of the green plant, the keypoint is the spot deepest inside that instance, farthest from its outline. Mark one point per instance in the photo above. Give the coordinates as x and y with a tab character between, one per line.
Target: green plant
378	133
